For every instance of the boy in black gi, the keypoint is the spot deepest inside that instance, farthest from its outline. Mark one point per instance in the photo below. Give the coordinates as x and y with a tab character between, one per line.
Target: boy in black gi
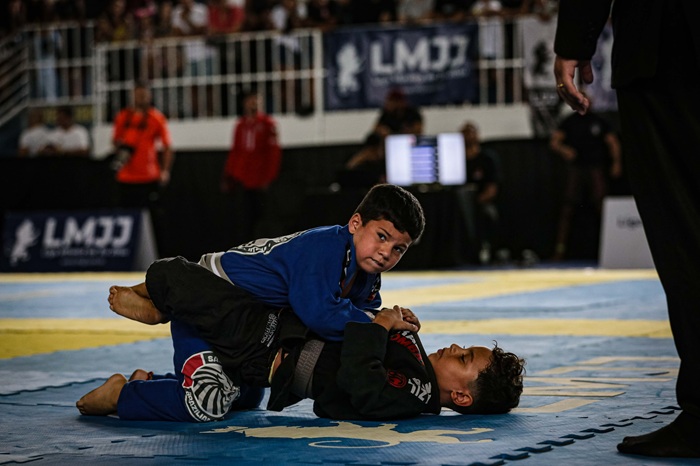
380	371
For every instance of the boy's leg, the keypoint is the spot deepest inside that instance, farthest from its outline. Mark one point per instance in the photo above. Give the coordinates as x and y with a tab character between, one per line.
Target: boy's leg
200	392
134	303
238	327
102	401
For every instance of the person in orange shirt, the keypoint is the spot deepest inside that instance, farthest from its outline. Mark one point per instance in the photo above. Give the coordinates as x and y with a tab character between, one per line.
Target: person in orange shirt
253	163
140	172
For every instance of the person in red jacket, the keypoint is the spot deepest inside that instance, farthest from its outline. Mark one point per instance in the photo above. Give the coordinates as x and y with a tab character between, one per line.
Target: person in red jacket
253	163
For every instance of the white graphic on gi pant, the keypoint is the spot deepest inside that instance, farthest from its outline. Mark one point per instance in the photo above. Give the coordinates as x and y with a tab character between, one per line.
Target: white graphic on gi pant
208	390
263	245
26	236
420	390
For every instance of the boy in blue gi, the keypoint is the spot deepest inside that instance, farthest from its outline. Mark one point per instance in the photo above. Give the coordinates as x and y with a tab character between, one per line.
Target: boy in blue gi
380	371
328	275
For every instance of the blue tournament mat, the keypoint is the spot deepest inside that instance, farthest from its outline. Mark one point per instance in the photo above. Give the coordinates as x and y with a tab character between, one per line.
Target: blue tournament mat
601	365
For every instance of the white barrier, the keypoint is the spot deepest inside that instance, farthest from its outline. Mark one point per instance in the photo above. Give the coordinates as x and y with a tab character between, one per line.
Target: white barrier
623	244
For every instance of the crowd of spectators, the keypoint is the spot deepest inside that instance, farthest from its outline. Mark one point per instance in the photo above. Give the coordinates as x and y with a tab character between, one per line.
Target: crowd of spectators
138	19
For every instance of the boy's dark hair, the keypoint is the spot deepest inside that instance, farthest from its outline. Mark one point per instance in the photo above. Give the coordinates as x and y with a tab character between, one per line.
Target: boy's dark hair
497	389
396	205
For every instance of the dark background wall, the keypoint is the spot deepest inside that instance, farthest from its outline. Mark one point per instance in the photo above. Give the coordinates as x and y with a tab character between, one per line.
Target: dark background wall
194	217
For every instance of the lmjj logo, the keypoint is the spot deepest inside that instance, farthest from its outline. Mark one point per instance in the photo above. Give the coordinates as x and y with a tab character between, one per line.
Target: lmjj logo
438	53
431	65
99	232
70	240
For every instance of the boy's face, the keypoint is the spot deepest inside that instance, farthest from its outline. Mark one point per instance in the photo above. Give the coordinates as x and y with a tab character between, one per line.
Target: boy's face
378	244
456	368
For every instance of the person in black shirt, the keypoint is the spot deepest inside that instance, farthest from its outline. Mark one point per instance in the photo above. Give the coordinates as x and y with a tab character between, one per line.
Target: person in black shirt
592	152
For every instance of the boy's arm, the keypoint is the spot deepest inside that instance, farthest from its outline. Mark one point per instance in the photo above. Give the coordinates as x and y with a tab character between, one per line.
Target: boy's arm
315	295
378	388
327	315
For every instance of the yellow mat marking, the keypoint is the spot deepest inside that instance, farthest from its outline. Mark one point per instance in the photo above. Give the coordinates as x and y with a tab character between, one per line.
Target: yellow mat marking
550	327
119	278
556	407
24	337
490	284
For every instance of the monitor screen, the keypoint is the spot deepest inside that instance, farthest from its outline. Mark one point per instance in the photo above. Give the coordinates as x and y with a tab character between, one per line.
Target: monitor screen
412	160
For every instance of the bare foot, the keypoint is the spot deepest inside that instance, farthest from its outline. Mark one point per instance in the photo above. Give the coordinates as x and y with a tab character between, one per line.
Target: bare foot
140	374
141	290
102	400
126	302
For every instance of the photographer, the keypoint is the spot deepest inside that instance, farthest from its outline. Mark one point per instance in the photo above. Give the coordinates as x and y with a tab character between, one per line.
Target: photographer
140	172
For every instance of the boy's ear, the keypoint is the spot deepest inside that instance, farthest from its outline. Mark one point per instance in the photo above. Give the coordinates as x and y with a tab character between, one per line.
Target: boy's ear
462	398
355	222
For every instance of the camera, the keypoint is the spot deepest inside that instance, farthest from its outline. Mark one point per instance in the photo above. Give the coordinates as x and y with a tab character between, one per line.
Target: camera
121	156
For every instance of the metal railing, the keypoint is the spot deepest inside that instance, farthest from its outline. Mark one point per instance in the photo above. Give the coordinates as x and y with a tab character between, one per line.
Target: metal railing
14	84
195	78
60	63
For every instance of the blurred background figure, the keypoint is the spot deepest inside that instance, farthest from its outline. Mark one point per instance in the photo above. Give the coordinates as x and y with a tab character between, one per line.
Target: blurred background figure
398	116
591	150
68	138
415	11
142	170
367	166
482	192
35	137
253	163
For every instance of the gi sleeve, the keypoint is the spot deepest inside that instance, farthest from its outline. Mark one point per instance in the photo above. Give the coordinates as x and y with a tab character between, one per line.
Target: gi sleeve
579	25
315	294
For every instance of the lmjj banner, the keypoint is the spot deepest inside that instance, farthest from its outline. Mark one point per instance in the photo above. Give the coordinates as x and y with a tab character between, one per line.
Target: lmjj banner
62	241
432	65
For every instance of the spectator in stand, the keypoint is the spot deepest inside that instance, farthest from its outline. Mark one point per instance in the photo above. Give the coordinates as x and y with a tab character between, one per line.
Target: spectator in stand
374	11
398	116
14	18
70	10
415	11
321	14
545	9
452	10
163	23
190	18
257	15
34	139
115	24
41	12
287	16
253	163
516	7
68	138
224	18
344	12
